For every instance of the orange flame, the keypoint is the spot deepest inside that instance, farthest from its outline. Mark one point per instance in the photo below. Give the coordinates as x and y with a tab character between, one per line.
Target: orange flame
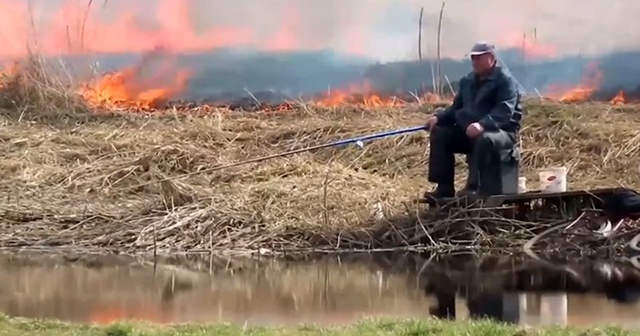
363	95
590	83
111	315
618	99
118	90
357	95
369	100
127	88
582	92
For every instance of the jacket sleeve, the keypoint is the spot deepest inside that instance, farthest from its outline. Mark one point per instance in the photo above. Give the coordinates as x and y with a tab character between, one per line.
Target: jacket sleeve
447	116
507	100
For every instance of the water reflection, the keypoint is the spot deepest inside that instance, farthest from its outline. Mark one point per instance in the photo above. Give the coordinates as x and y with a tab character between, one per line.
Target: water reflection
579	292
330	290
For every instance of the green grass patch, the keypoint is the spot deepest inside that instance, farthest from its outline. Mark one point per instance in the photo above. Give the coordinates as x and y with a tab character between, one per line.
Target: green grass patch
9	326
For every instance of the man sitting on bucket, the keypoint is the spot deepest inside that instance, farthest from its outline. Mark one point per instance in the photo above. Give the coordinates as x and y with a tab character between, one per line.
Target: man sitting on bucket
485	116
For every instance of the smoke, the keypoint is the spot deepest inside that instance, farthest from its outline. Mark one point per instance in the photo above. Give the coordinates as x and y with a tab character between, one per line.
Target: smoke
382	29
307	46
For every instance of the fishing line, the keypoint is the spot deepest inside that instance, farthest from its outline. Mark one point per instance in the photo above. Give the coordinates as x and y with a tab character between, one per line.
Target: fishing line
359	141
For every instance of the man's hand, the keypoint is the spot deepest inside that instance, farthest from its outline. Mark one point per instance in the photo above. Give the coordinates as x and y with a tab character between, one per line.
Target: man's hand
474	130
431	123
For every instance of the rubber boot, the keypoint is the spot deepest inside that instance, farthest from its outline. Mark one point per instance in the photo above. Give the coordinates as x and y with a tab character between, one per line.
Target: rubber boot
470	189
441	191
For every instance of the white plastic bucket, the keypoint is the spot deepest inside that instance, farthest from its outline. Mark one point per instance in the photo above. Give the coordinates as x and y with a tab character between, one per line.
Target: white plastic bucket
553	179
522	185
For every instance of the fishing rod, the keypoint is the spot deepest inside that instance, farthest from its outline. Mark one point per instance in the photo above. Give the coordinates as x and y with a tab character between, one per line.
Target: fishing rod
359	141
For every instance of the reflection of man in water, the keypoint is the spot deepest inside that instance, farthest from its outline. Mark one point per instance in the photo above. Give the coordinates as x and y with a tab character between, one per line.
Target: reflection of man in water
618	285
493	306
446	306
481	306
616	282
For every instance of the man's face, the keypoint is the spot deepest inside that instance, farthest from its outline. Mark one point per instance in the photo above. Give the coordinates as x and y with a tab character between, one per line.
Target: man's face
482	63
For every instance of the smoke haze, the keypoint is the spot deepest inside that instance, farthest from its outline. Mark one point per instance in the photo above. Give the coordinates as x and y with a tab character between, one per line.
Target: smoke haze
381	29
207	48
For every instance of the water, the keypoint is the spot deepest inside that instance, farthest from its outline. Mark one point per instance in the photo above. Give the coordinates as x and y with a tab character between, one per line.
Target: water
324	291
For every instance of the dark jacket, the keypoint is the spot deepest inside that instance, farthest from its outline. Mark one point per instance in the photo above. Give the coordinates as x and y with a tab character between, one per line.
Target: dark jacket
493	102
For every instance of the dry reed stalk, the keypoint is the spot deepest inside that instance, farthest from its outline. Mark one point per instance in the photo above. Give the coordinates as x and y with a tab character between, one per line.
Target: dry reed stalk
35	91
438	55
84	24
420	35
524	55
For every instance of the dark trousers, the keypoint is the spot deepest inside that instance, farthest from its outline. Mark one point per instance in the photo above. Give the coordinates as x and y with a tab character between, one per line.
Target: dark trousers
486	307
446	308
445	141
495	307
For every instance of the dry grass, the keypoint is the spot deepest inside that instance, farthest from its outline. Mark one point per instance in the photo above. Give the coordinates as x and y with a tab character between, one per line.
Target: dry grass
93	180
36	88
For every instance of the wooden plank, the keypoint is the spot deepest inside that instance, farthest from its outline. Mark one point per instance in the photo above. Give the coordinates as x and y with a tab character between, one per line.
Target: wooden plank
572	193
452	202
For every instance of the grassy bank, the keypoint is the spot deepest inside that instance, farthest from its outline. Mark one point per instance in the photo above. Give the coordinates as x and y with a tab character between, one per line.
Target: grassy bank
134	182
77	177
372	327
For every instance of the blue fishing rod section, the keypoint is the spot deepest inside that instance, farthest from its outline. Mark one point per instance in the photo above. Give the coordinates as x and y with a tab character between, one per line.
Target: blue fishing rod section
360	140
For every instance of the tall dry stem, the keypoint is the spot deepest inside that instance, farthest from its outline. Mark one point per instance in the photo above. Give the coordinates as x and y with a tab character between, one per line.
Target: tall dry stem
35	88
438	56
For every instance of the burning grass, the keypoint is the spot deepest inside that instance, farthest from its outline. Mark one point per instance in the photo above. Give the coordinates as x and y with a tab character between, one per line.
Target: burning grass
139	182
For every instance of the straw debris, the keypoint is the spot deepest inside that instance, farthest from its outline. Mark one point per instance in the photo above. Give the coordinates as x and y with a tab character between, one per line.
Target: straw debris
133	182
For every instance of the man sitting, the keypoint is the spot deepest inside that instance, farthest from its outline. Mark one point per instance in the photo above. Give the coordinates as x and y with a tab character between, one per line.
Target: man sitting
484	117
